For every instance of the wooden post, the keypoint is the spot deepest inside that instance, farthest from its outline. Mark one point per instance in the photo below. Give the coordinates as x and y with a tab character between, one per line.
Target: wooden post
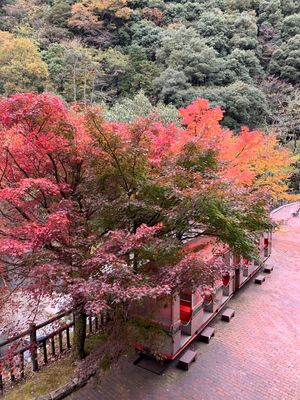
60	341
45	351
33	347
96	324
12	376
52	340
90	325
1	383
68	338
22	373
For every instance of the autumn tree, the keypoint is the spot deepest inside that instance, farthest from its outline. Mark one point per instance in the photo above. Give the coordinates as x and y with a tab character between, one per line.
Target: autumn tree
50	244
99	13
209	43
286	120
84	23
96	212
21	67
153	14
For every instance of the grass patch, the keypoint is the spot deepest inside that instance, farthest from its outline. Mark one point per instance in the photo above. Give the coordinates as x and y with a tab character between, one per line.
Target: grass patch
43	382
51	377
93	341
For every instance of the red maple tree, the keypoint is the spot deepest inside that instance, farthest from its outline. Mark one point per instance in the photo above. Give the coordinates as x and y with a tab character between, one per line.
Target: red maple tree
97	212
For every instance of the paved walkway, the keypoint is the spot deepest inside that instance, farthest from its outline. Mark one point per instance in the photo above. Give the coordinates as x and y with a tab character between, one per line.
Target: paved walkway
254	357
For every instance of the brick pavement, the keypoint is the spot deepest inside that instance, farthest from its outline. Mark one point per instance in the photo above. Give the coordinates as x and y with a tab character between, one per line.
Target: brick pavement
254	357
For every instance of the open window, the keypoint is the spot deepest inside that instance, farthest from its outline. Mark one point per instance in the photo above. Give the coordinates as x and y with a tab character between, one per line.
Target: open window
185	306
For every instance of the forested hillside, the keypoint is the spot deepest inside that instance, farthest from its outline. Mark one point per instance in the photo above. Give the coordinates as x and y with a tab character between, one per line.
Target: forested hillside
241	54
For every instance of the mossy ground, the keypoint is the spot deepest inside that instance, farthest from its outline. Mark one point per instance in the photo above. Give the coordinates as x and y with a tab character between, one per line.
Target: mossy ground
46	380
51	377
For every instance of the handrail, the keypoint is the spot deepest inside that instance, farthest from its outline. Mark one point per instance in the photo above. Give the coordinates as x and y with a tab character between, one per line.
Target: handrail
39	326
14	338
53	319
43	346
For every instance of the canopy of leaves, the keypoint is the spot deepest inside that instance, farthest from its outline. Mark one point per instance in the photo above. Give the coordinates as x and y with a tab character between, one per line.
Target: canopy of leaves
97	212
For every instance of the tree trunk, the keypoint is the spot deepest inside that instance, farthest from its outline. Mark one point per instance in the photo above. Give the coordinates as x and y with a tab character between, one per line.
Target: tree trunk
84	88
78	352
74	81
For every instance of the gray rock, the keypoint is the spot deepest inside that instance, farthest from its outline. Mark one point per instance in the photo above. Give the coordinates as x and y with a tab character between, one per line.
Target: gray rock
79	382
44	397
63	391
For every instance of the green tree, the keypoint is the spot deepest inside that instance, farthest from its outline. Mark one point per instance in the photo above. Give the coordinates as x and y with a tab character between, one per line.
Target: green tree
73	70
241	5
270	11
59	13
285	60
140	73
172	86
243	104
115	65
290	7
85	74
240	65
147	35
291	26
214	26
183	50
129	109
175	12
270	18
244	31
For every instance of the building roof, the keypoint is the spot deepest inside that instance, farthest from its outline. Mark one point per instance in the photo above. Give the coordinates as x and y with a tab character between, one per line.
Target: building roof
209	247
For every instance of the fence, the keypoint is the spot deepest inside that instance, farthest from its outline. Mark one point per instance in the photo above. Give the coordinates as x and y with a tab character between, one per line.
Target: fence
29	350
281	202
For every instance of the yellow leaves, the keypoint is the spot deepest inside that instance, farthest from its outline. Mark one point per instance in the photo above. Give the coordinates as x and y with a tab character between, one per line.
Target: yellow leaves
5	37
21	67
248	159
81	17
93	11
124	13
256	159
103	5
272	167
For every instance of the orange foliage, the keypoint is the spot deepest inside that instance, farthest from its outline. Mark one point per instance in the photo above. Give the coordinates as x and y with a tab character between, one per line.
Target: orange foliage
249	158
250	161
